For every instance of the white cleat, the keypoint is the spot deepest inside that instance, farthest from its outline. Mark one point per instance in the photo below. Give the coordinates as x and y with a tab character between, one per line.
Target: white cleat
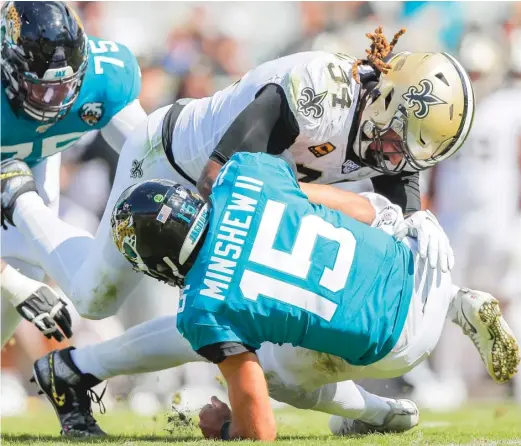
403	415
479	316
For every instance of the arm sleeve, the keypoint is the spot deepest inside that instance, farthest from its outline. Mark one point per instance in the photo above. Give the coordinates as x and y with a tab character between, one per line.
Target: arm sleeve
403	190
122	124
265	125
217	353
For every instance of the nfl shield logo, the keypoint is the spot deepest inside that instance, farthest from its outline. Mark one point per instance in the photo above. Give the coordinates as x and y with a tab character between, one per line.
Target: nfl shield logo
349	166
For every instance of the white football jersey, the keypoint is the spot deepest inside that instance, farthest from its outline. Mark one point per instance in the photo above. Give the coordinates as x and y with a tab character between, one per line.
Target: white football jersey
322	95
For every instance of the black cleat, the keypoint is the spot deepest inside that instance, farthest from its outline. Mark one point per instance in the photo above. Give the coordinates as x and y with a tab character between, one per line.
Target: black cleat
17	179
69	392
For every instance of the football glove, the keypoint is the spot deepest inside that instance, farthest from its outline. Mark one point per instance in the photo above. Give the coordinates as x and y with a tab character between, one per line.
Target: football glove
47	312
433	243
388	217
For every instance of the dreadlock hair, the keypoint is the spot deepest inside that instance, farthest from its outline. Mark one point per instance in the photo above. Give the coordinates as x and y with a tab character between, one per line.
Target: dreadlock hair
379	49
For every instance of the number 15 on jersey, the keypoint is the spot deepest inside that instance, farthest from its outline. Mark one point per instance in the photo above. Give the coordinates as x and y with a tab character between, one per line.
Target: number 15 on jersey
297	263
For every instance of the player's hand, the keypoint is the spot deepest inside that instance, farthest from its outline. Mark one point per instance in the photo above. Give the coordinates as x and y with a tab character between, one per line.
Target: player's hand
433	243
48	312
212	417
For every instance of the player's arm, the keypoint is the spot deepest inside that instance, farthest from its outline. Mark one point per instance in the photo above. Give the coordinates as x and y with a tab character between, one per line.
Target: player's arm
349	203
251	416
36	302
265	125
402	189
433	243
122	124
124	82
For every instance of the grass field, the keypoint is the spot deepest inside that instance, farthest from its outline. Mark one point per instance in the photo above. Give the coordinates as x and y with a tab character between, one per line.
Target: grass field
476	425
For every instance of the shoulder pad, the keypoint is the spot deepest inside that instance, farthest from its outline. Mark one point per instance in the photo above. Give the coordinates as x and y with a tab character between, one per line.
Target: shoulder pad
321	93
113	76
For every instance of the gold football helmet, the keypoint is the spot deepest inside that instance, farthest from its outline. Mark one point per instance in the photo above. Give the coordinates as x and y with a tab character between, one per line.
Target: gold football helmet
428	100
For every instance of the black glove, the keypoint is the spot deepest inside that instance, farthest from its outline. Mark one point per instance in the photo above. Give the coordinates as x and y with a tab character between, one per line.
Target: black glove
47	311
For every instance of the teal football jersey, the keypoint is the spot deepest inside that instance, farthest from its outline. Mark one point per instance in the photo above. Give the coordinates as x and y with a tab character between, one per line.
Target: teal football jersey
275	267
112	81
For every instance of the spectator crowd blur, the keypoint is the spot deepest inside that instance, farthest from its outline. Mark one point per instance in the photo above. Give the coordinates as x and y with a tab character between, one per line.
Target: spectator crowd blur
192	49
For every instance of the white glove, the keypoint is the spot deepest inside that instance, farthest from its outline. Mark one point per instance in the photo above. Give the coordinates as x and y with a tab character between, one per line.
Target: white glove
389	216
433	243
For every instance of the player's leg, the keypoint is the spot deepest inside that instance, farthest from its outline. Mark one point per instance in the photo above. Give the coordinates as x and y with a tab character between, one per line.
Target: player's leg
478	314
315	372
311	380
19	271
91	271
152	346
9	318
435	299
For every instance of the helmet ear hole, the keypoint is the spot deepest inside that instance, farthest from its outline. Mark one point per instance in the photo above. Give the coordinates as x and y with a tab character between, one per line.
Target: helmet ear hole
422	142
375	94
442	78
389	98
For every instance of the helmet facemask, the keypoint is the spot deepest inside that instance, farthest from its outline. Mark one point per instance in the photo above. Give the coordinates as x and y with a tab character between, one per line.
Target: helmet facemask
372	140
50	100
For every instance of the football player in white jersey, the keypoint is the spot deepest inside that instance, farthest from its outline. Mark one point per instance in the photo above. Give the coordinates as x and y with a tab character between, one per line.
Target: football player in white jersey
338	118
402	117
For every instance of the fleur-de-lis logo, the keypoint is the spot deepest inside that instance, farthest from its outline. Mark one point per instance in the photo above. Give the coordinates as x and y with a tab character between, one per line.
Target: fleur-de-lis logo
310	102
137	169
422	98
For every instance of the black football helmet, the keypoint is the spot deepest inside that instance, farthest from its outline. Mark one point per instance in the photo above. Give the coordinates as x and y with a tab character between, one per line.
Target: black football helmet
159	226
44	58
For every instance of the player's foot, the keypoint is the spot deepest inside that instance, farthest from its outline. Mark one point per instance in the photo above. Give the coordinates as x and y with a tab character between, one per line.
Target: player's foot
403	415
16	178
69	392
479	316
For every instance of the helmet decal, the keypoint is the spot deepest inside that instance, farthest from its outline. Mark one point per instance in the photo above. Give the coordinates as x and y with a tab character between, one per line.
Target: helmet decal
422	98
122	229
195	233
13	24
164	212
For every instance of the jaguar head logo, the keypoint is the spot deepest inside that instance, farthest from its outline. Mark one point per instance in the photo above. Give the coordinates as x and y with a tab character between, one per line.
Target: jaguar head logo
91	113
422	98
12	24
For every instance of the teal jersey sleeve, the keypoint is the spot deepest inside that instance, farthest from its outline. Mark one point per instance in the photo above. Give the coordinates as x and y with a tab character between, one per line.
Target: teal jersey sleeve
276	268
113	78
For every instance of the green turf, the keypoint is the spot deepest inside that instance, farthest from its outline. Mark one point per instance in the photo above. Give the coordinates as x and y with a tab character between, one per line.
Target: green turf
475	425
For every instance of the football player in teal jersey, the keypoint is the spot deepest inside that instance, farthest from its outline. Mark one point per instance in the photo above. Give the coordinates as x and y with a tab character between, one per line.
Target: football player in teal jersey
57	85
262	263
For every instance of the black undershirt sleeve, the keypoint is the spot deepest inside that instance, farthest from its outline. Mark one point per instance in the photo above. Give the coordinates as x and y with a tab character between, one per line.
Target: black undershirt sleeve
403	190
218	352
265	125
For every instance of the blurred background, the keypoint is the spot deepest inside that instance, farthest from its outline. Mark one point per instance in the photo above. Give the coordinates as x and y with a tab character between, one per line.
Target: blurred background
192	49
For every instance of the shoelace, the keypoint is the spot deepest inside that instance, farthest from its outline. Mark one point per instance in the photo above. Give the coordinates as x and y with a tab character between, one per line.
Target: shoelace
97	399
